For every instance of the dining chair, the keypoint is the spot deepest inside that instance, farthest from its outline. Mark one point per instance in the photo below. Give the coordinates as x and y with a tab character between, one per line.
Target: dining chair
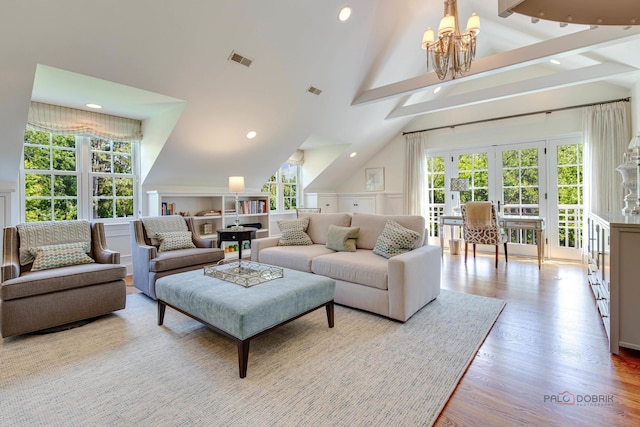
480	227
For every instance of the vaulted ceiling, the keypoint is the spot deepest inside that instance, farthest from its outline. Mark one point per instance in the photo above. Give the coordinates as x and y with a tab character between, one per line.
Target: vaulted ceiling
167	63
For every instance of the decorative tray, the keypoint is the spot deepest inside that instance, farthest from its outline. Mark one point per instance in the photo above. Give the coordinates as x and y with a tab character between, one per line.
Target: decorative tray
245	274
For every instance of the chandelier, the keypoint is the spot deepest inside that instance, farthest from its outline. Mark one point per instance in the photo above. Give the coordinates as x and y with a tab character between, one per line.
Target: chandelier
451	54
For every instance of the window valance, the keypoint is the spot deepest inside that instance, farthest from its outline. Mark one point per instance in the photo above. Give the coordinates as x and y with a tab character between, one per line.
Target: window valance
70	121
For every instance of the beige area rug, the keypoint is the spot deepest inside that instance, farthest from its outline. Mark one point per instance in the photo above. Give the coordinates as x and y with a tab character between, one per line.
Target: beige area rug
125	370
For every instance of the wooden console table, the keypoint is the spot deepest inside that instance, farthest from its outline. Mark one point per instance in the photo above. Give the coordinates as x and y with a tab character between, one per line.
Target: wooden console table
519	222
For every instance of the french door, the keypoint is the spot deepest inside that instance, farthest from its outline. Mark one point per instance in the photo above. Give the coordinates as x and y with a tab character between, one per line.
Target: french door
539	178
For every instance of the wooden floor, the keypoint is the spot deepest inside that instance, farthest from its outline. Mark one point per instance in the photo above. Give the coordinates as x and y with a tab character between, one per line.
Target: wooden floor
548	343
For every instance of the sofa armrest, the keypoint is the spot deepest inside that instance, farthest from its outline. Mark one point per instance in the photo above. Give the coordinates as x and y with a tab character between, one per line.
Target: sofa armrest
10	255
259	244
101	253
413	280
197	240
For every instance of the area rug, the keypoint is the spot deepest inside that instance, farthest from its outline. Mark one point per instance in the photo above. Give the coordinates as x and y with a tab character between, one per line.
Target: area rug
123	369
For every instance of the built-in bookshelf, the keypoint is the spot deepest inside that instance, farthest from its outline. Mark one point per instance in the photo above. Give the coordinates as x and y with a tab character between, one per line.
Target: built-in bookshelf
212	211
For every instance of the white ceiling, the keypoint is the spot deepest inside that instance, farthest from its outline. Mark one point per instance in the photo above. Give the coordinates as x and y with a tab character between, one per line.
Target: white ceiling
166	62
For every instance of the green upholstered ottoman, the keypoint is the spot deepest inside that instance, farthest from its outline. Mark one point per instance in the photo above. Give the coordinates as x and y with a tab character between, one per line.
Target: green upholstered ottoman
243	313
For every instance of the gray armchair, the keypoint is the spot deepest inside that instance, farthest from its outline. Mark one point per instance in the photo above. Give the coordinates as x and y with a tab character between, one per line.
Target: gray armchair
150	264
34	300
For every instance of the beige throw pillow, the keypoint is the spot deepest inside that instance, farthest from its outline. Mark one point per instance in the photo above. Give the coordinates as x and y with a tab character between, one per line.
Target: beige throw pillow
342	239
395	240
294	232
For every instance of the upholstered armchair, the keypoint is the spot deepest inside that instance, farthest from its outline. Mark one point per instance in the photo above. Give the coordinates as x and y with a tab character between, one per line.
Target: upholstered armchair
166	245
480	227
57	272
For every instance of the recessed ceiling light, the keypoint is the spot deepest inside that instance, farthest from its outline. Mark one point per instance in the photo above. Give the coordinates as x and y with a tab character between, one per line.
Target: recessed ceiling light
438	89
344	13
252	134
353	154
554	61
90	105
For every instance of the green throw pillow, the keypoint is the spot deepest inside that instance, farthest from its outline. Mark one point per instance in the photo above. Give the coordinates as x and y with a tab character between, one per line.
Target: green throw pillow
54	256
395	240
173	240
342	239
294	232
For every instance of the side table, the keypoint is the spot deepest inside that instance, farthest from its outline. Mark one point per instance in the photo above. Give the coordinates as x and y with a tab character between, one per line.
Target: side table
231	235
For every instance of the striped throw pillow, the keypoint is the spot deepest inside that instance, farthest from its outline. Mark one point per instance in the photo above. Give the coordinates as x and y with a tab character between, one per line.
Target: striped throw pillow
54	256
395	240
173	240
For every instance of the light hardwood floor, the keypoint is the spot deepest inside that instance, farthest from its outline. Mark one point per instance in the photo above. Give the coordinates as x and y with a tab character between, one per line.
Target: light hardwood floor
548	340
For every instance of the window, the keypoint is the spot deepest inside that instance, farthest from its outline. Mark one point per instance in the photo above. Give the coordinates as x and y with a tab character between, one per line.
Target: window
69	177
283	188
435	192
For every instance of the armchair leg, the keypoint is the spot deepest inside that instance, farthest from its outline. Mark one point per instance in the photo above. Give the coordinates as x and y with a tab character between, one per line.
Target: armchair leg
466	246
506	258
497	246
474	250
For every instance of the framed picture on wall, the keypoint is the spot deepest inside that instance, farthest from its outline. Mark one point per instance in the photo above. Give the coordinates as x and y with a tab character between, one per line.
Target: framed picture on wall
374	179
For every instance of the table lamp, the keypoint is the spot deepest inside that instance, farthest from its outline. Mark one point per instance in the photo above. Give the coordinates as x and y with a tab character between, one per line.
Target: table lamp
458	185
236	185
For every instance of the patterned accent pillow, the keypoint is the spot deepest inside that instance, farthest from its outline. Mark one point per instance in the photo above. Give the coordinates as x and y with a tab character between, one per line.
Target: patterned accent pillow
294	232
35	234
54	256
342	239
395	240
172	240
163	224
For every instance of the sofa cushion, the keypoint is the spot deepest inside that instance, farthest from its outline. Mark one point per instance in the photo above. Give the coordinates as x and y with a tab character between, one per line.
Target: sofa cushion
395	240
294	257
362	267
173	240
319	224
34	234
371	227
54	256
172	260
294	232
342	238
47	281
163	224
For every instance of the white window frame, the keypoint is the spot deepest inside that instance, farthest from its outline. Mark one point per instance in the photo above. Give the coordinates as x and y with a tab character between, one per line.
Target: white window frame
84	173
280	190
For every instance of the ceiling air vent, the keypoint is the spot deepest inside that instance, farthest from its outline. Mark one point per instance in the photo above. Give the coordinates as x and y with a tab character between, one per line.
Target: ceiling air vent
236	57
314	90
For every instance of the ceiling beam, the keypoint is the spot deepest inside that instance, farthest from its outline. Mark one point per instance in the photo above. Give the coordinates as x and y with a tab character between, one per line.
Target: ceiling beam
537	84
571	44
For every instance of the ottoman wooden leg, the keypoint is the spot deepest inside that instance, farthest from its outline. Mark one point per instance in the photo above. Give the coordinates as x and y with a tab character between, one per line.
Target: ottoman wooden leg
243	356
329	308
161	308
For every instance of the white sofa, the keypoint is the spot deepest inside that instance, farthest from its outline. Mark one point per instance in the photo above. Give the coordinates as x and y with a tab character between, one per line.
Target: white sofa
396	287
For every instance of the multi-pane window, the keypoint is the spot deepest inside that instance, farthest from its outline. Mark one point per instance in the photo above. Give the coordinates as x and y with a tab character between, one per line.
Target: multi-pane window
112	179
435	192
520	181
71	177
50	177
474	166
283	188
570	195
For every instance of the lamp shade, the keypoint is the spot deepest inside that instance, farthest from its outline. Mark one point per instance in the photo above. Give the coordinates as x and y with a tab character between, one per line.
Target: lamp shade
459	184
635	142
236	184
473	24
427	38
447	25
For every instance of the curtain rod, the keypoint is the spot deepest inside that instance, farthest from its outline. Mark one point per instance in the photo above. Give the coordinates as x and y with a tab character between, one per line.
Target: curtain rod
519	115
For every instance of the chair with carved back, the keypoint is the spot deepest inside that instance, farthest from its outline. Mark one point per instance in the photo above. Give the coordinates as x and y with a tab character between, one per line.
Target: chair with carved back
480	227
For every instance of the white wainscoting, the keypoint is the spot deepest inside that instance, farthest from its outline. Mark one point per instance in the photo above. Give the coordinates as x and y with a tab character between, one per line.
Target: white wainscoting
119	239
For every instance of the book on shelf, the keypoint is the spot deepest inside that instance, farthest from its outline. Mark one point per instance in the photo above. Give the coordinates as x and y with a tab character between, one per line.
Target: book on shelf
168	208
